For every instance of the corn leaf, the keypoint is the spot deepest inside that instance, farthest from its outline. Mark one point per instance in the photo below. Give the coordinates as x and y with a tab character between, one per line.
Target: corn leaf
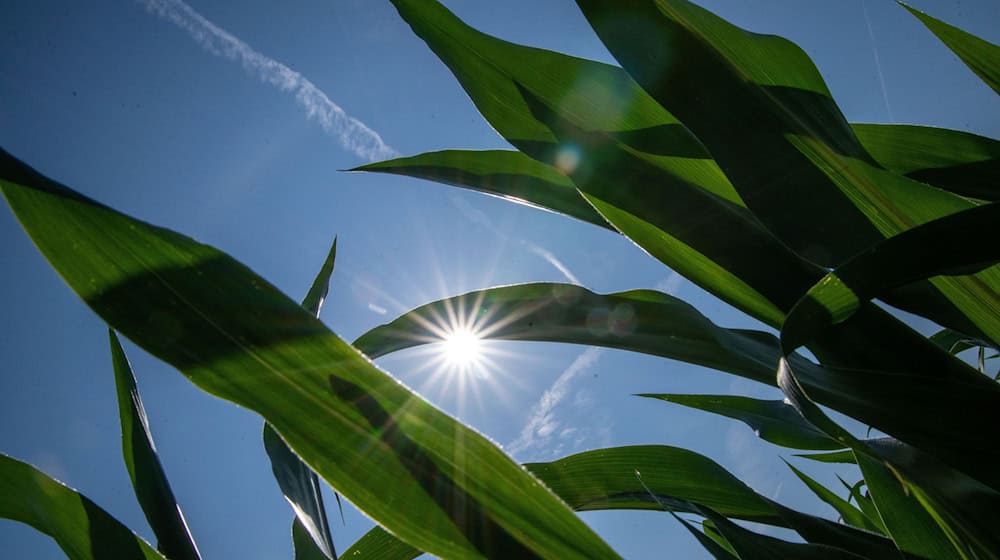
960	162
772	421
596	96
850	514
845	456
964	509
297	481
910	526
641	320
959	243
306	547
504	173
377	544
148	479
83	530
754	546
236	336
982	57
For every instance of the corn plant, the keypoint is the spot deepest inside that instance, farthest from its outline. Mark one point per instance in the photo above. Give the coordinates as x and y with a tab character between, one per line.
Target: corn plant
719	152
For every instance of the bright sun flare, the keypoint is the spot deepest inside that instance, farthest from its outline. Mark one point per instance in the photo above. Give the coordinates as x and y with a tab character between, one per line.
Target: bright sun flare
462	348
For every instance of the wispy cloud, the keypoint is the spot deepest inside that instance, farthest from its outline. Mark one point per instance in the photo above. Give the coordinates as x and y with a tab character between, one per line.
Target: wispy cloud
353	134
543	426
479	217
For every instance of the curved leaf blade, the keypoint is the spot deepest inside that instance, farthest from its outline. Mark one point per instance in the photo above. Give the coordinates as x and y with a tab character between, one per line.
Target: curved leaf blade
236	336
958	243
642	320
960	162
772	421
148	479
83	530
851	515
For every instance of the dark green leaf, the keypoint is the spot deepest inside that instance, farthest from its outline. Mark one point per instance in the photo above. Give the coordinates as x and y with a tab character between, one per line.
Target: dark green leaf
301	488
957	244
980	56
763	111
910	526
704	214
314	299
148	479
236	336
712	532
953	342
851	515
754	546
773	421
297	481
83	530
508	174
960	162
844	456
963	508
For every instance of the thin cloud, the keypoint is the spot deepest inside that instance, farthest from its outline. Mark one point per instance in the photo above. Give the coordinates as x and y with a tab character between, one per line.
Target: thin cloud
479	217
353	134
543	424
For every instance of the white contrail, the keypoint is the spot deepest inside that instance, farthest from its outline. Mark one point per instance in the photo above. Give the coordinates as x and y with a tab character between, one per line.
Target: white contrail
542	425
352	133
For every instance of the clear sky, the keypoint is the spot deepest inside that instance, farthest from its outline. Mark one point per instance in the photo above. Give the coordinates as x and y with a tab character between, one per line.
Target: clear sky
221	120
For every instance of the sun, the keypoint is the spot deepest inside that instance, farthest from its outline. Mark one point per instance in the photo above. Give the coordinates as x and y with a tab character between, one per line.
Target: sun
462	348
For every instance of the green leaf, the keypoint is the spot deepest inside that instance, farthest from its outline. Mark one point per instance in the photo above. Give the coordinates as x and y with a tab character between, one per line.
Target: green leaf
712	532
236	336
851	515
605	479
904	518
754	546
773	421
964	509
601	98
957	244
377	544
980	56
953	342
83	530
866	503
960	162
742	94
316	295
306	547
640	320
301	488
596	96
763	111
148	479
844	456
507	174
297	481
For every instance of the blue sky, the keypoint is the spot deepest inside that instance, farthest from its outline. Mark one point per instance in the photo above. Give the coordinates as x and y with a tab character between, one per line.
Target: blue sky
229	122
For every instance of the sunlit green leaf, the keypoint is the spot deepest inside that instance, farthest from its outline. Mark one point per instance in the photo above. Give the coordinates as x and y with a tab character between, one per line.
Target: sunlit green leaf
377	544
83	530
148	479
236	336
